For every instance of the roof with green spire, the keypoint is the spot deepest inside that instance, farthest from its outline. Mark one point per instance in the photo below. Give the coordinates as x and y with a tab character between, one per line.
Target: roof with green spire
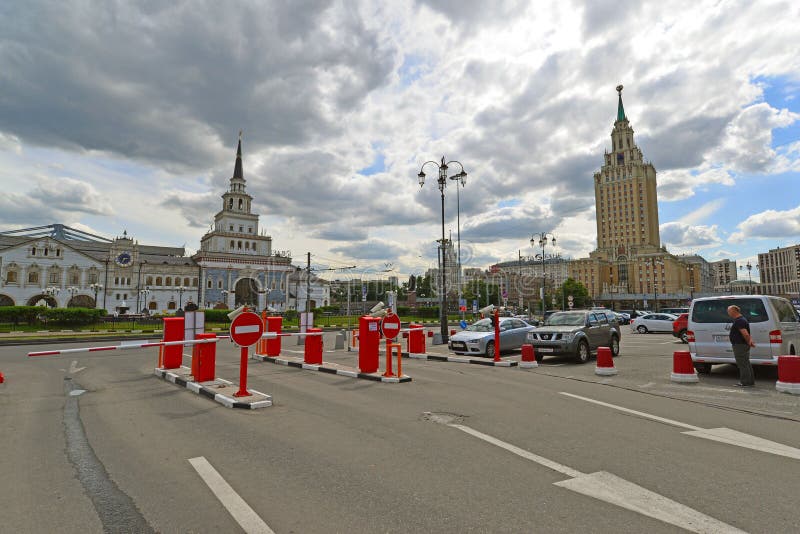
620	109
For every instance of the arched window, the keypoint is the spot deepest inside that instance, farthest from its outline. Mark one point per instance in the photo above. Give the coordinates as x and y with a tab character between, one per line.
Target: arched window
149	281
233	245
230	203
241	204
58	252
247	245
186	282
75	278
158	281
11	277
168	281
152	305
194	282
171	305
33	277
239	245
45	251
254	246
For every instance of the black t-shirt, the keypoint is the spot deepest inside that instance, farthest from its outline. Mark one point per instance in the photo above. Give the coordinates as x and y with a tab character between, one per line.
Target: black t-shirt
735	335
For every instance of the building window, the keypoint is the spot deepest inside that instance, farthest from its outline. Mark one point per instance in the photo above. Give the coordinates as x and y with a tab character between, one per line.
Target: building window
75	279
45	251
168	281
209	284
152	305
247	245
149	281
240	207
58	252
186	282
53	278
158	281
116	280
230	205
11	277
194	282
171	305
241	228
219	284
249	229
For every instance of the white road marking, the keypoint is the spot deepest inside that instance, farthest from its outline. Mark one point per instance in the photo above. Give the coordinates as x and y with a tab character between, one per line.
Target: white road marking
73	367
236	506
722	435
634	412
612	489
247	329
563	469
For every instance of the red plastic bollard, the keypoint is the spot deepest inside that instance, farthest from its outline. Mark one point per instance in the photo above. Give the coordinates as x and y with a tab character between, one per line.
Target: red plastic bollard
369	336
274	324
389	346
172	356
528	357
416	339
605	363
204	359
682	367
2	378
312	354
788	374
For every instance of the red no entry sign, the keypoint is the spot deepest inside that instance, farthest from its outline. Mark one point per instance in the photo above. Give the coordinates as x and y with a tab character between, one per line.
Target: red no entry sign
246	329
390	326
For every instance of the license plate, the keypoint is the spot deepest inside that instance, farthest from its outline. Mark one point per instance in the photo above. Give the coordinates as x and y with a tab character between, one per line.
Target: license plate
721	339
544	349
459	345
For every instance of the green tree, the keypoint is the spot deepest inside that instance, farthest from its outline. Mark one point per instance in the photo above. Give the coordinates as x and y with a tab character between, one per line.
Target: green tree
580	295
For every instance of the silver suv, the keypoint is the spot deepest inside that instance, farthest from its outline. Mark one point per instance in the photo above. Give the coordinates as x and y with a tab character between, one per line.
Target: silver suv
578	333
774	327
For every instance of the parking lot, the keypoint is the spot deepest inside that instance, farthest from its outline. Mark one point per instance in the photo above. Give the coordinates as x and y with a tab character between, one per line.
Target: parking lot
461	448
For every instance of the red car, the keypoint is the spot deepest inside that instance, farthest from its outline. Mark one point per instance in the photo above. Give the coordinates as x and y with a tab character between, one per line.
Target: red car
680	326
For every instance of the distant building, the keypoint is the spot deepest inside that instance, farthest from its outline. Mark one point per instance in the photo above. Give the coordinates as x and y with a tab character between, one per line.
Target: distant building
724	273
629	266
60	266
780	271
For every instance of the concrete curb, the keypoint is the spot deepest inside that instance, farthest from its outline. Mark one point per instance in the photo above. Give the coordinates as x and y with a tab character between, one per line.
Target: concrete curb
351	373
212	388
461	359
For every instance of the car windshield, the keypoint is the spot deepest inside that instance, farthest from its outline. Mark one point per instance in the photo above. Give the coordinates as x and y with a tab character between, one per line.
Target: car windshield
565	319
484	325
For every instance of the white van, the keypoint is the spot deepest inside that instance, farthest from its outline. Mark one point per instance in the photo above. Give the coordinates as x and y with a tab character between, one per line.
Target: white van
774	327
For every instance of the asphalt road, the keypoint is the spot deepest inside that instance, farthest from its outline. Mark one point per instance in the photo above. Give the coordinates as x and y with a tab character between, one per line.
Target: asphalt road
103	444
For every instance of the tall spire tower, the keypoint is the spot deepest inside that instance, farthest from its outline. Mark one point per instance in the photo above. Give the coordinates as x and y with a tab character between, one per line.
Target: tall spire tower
625	194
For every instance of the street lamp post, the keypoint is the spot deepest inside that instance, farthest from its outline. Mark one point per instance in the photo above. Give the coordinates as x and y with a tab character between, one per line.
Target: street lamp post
96	288
72	292
442	185
52	292
542	238
181	289
690	268
749	266
653	263
224	294
144	293
460	178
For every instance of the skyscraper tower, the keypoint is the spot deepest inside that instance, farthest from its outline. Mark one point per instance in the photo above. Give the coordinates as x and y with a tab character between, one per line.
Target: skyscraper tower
625	193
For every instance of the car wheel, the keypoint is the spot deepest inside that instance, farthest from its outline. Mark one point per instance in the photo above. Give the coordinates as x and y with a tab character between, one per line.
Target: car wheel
684	336
614	346
642	329
703	368
583	352
490	349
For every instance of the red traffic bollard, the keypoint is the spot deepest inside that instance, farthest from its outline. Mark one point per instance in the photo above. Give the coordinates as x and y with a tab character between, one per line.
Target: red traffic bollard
683	368
312	355
788	374
528	357
605	363
2	378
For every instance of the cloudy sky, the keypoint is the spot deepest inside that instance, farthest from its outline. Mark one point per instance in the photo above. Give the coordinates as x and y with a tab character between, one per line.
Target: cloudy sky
125	116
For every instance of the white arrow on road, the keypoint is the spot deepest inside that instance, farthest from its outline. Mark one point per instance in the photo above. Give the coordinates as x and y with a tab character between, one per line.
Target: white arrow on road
73	368
723	435
612	489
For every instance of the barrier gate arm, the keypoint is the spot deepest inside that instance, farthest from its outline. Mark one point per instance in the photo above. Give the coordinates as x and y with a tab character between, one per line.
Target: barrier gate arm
124	347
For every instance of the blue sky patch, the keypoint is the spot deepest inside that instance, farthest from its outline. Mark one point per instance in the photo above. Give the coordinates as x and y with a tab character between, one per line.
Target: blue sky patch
782	93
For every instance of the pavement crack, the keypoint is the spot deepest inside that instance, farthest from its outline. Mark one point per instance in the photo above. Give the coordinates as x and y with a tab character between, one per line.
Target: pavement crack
115	509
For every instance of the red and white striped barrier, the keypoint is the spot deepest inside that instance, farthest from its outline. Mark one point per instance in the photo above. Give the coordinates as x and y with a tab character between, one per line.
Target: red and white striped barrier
124	347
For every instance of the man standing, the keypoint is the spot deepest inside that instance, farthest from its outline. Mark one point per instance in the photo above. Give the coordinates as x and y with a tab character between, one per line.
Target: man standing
741	343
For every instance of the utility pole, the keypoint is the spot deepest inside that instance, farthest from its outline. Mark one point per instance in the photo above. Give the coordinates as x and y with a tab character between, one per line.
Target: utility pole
308	280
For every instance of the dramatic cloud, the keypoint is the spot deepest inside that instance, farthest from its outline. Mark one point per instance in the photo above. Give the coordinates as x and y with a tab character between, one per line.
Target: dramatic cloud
770	224
126	115
684	237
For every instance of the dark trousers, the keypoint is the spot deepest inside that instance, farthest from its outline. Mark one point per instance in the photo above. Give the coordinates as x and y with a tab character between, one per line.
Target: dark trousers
742	354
